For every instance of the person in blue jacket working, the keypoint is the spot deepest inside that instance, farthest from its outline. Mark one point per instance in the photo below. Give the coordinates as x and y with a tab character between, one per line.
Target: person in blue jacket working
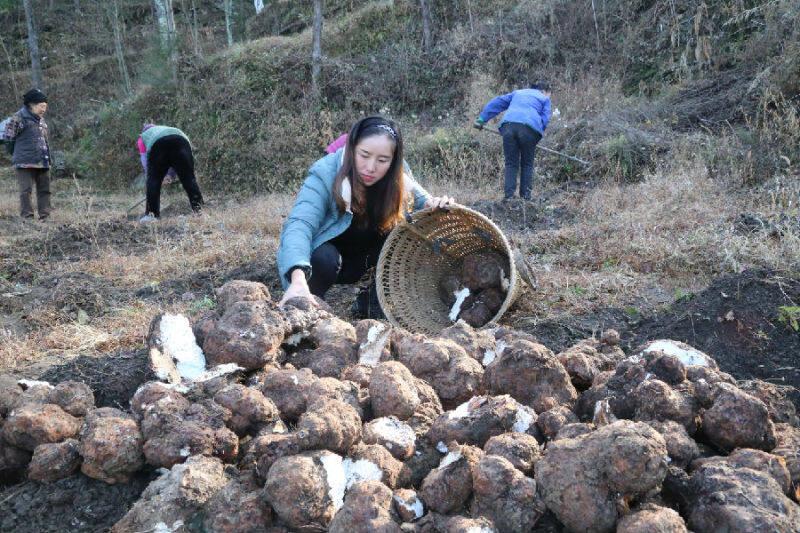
523	125
348	204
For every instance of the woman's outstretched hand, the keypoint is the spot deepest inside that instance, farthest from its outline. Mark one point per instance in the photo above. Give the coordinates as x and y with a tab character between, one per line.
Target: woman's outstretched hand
439	201
298	288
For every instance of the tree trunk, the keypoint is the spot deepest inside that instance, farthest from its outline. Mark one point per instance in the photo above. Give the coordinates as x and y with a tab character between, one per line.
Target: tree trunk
166	28
161	20
33	45
77	6
316	50
228	6
113	16
194	32
596	27
427	36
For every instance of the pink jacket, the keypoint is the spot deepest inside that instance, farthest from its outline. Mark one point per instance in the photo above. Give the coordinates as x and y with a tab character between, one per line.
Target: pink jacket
143	157
340	141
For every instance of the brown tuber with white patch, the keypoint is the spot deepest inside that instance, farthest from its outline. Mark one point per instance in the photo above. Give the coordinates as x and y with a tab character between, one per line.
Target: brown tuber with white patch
248	334
446	489
367	509
482	417
391	433
297	488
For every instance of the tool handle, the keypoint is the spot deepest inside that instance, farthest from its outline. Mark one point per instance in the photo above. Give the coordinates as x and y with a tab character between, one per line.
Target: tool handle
546	149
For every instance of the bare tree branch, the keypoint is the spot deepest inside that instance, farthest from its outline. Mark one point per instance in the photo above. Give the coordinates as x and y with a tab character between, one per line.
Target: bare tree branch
316	50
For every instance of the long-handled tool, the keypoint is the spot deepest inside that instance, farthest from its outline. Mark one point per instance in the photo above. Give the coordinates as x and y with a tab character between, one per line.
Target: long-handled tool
571	158
140	202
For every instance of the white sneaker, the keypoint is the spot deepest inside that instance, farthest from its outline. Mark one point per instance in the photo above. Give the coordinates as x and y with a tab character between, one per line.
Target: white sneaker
147	218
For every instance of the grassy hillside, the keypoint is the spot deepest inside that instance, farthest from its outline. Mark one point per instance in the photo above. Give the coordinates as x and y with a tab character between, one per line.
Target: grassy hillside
633	80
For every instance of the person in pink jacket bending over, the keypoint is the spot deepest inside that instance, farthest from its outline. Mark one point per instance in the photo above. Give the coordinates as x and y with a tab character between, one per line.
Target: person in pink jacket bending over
171	174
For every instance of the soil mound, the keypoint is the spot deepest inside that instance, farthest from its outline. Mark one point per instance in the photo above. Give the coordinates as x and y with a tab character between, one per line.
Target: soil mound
744	321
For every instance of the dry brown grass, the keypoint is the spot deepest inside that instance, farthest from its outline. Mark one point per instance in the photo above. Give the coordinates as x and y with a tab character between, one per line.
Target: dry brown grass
219	238
223	237
655	240
625	245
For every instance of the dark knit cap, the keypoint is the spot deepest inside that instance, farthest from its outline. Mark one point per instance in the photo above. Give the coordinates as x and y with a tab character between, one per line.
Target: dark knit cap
34	96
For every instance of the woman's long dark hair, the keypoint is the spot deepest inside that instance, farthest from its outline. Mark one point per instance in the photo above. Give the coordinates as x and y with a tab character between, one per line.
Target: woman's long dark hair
386	208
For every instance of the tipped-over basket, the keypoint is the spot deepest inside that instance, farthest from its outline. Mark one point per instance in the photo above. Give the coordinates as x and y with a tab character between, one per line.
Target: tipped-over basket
418	253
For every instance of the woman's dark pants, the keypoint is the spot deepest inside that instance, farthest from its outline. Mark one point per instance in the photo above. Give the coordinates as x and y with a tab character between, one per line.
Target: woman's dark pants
26	179
171	151
329	267
519	147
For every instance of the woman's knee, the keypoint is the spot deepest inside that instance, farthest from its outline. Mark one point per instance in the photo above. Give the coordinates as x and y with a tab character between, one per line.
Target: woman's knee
326	261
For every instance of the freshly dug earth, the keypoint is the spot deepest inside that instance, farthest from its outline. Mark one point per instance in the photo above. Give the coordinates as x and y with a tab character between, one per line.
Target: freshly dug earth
737	320
77	503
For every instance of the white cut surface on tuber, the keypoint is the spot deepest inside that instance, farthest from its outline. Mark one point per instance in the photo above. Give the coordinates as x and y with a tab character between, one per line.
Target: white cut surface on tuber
178	341
456	309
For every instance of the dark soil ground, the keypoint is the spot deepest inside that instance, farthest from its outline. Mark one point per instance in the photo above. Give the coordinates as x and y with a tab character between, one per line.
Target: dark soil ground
76	504
520	215
738	320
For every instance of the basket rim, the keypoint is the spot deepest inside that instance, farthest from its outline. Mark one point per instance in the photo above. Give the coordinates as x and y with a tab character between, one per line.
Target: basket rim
399	231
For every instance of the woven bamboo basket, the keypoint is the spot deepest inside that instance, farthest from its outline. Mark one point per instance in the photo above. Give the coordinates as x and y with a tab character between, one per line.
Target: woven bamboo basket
418	253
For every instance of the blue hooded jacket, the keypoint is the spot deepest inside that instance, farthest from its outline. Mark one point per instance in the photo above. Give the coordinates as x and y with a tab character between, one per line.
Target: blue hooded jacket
525	106
315	217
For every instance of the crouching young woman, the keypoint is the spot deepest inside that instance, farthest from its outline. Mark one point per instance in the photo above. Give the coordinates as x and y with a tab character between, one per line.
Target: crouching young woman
344	211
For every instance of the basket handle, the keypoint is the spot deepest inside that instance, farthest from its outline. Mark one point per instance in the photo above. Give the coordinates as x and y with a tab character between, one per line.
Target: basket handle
410	225
523	267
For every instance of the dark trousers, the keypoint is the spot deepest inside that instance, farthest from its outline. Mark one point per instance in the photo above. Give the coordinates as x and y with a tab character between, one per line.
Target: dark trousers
26	179
519	148
329	267
176	152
